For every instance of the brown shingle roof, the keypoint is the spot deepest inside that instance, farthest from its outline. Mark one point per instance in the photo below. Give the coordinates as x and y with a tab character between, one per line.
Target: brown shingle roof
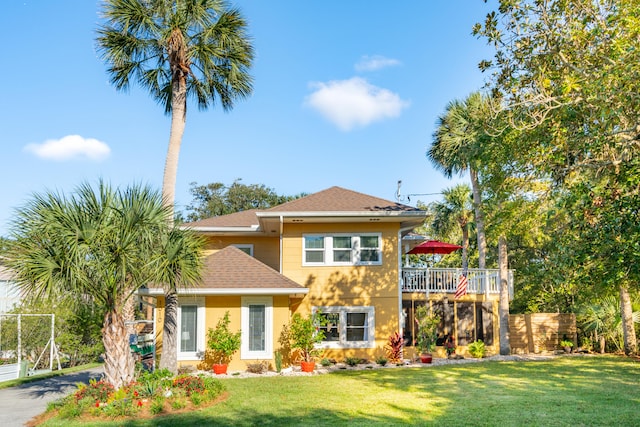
238	219
337	199
232	268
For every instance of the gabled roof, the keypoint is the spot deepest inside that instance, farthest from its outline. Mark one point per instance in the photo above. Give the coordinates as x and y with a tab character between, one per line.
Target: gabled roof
247	219
338	199
231	271
333	205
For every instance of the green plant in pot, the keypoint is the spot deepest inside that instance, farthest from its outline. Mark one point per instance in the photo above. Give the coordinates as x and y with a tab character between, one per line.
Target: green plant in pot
305	333
426	332
566	345
223	343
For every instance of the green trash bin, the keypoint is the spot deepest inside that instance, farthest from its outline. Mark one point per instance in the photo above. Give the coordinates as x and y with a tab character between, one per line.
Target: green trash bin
23	369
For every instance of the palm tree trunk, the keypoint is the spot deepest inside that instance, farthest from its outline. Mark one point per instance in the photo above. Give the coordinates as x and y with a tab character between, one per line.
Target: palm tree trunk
178	122
169	357
479	217
628	330
503	308
465	248
119	366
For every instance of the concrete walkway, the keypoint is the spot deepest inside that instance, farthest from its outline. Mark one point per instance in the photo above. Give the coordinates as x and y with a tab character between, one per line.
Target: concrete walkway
19	404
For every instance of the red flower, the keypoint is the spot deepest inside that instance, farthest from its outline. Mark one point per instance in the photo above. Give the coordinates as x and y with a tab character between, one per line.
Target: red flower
97	404
135	393
139	402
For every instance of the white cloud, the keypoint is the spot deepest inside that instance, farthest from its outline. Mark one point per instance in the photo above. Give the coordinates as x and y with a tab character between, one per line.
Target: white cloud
70	147
354	102
375	62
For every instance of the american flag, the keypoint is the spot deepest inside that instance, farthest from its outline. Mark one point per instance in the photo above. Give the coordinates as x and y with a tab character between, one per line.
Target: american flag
461	289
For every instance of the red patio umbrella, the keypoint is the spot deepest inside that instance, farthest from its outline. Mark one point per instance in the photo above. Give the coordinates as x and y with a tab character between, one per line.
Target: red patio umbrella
434	247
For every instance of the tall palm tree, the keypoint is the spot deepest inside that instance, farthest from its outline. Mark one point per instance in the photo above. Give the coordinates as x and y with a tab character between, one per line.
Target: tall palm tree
181	265
456	149
177	49
454	212
102	244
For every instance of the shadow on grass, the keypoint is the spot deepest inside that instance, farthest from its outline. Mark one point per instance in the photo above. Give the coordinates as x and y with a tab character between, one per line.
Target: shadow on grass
311	417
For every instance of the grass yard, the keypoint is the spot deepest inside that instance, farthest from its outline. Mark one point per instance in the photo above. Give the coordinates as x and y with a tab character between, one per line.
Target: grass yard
566	391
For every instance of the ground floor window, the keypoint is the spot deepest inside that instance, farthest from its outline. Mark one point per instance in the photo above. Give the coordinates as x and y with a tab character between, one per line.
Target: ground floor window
257	328
348	327
191	314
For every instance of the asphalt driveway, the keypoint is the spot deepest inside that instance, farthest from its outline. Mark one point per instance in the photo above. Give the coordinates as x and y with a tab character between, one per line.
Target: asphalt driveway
19	404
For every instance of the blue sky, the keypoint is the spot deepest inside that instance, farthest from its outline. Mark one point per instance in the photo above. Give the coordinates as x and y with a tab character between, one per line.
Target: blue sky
346	93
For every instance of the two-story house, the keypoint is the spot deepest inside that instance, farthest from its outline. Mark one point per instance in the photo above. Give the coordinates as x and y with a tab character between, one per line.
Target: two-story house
337	251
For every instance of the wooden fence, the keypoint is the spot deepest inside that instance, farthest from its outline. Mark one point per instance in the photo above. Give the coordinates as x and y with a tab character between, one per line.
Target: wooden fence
540	332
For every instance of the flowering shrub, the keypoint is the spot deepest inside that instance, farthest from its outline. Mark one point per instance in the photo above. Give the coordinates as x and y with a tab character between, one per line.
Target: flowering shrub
189	384
99	391
149	394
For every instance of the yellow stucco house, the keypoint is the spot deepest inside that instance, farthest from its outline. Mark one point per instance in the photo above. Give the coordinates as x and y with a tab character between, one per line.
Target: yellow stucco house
338	251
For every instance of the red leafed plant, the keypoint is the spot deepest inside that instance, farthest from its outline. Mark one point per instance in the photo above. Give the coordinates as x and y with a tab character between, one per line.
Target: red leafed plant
394	348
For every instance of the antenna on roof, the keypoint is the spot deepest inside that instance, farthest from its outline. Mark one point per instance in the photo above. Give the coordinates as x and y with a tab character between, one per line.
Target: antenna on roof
407	198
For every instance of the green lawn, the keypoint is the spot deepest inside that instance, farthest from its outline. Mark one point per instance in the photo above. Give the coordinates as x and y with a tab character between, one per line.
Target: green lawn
567	391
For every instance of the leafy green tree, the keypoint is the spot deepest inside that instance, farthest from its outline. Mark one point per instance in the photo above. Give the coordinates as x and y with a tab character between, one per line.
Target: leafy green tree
567	73
76	333
216	199
456	148
98	243
177	49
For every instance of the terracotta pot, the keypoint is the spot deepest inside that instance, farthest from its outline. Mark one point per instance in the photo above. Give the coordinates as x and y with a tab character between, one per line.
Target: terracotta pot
219	369
426	358
307	366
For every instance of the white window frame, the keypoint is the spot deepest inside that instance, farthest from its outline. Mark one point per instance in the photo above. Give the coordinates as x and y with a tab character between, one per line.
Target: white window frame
370	342
244	246
200	336
328	249
267	353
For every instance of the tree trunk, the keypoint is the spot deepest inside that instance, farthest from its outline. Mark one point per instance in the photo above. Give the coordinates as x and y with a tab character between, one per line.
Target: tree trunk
119	366
178	123
465	247
628	330
503	308
169	356
479	218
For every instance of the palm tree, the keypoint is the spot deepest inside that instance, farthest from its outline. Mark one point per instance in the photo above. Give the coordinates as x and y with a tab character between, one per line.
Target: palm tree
101	244
177	49
180	266
455	212
456	148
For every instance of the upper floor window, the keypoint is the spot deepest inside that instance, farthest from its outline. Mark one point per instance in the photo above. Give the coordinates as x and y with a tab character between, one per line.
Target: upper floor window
343	249
246	248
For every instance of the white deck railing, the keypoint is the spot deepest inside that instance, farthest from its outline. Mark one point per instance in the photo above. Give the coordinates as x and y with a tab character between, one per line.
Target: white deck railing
445	280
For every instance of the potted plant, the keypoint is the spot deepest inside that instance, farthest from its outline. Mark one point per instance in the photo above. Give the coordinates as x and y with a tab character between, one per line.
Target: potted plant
426	332
566	345
223	343
305	334
450	346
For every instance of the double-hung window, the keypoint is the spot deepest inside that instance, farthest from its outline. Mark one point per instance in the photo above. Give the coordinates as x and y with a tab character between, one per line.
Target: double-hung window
343	249
347	327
